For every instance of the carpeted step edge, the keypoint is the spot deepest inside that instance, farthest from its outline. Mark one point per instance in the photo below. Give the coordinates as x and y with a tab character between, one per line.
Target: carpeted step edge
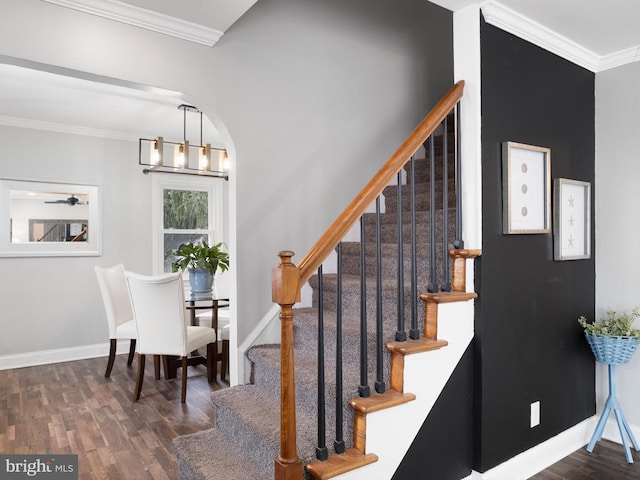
213	455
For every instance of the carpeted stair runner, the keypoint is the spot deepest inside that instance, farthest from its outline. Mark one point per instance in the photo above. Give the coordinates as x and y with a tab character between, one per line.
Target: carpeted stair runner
211	454
246	437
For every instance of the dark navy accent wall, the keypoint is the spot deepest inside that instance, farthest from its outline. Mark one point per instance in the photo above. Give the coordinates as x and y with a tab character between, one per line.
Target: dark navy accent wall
442	448
528	345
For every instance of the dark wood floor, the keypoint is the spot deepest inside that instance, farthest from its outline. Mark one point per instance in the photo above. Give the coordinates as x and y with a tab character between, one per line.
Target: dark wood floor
607	462
71	408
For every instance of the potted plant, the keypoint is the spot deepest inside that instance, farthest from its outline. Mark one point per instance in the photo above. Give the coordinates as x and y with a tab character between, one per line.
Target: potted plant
613	339
202	261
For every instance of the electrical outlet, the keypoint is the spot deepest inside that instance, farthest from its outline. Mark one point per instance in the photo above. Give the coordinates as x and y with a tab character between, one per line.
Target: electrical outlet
535	414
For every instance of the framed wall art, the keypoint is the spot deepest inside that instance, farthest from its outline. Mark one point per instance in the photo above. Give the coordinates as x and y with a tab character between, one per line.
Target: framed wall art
571	219
526	188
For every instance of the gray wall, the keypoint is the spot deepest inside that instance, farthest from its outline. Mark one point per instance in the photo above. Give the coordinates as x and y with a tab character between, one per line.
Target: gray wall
617	225
323	93
54	303
311	96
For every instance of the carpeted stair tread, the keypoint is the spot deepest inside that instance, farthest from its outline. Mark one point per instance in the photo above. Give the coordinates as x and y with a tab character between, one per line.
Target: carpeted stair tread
422	216
266	360
268	368
306	330
251	415
351	297
214	455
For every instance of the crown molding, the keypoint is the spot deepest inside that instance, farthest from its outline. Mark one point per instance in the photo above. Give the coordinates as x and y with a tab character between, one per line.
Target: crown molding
143	18
506	19
617	59
502	17
62	128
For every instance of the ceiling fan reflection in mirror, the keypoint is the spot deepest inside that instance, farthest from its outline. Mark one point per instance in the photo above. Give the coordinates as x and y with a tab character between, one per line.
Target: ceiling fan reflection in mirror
71	201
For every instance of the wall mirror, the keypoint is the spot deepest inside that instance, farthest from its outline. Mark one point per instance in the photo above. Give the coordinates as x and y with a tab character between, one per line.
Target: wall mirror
48	219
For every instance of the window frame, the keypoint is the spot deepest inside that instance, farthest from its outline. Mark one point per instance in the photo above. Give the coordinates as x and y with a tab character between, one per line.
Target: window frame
215	228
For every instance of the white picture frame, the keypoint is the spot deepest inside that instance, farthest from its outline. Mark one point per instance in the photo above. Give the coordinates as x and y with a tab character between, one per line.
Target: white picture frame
571	219
62	204
526	188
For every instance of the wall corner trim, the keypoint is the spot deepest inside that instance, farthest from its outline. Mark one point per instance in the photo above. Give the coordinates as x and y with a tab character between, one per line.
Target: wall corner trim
143	18
527	29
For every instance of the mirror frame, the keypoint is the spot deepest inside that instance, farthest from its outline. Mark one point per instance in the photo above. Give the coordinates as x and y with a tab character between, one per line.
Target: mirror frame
93	245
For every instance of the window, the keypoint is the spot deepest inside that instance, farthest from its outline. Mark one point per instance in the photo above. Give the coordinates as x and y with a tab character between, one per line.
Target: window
185	210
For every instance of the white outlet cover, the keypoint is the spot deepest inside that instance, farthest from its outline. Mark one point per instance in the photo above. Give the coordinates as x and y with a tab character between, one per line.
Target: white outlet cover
535	414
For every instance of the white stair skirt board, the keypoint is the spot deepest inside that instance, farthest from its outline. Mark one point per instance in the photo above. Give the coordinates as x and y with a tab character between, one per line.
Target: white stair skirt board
455	324
70	354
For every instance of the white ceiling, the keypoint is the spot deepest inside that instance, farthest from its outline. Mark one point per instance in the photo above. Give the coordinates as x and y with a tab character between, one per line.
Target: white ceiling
70	102
55	101
37	99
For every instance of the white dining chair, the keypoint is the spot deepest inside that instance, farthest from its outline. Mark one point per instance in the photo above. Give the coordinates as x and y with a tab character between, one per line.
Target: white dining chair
159	312
115	296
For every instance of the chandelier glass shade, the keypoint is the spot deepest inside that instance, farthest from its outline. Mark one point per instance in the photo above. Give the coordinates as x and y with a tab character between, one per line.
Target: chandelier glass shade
160	155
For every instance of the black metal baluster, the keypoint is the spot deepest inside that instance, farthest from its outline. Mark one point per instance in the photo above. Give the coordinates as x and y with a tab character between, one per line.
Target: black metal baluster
458	242
446	281
432	286
379	385
414	333
322	452
363	389
401	334
338	444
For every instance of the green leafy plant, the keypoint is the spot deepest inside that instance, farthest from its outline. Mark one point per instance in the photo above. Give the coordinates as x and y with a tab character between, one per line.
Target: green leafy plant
614	324
200	255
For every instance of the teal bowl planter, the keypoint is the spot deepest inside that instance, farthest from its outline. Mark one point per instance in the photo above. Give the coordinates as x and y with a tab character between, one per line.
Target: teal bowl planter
613	350
202	261
201	282
613	341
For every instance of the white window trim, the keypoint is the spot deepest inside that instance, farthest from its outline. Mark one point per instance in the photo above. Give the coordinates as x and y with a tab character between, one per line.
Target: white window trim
182	182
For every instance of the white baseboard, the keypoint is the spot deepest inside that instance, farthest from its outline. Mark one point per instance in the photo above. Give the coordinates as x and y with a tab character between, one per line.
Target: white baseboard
536	459
611	431
70	354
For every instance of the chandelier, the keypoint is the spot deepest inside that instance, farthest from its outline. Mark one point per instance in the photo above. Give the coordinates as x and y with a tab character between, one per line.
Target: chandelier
164	156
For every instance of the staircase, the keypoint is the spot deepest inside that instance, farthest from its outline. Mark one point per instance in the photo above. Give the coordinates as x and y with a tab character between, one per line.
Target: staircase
247	435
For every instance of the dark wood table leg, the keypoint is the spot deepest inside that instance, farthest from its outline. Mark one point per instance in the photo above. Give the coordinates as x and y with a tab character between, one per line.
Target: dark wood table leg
170	365
214	325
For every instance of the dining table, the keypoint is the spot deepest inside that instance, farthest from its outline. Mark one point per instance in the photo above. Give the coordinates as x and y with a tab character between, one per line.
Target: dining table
193	305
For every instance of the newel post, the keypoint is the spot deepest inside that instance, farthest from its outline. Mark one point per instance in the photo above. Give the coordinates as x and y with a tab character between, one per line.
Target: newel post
285	291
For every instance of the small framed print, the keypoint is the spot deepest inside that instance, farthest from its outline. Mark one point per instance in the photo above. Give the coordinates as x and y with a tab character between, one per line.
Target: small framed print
526	188
571	219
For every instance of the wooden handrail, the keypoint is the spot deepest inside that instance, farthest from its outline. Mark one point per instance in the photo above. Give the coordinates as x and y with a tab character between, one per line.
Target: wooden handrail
336	232
47	233
287	278
80	236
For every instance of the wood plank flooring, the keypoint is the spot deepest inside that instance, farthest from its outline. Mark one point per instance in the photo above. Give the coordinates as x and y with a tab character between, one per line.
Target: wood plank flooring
607	462
71	408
